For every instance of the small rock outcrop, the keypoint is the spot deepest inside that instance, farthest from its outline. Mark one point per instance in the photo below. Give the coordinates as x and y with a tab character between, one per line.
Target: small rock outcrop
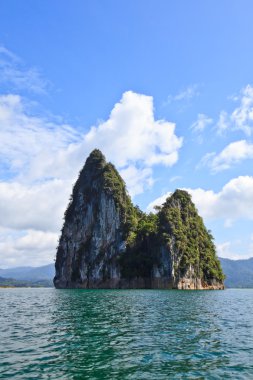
107	242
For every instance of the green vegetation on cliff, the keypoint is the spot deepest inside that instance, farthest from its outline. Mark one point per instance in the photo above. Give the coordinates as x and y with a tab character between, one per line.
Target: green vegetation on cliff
142	251
173	241
182	227
114	184
179	228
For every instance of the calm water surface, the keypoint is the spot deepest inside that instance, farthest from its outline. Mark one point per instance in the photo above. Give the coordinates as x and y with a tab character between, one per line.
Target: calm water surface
126	334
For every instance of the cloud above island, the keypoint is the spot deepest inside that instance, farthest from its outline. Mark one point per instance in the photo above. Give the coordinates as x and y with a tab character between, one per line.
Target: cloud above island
41	156
231	155
241	117
40	164
232	202
15	73
201	123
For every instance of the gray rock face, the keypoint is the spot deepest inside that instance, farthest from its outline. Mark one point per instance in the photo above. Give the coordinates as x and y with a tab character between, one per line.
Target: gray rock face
92	236
95	248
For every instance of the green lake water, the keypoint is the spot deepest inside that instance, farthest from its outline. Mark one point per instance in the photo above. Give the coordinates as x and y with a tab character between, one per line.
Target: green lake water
126	334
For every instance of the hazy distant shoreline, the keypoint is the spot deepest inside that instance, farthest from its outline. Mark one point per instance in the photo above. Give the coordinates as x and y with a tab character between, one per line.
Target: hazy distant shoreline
239	275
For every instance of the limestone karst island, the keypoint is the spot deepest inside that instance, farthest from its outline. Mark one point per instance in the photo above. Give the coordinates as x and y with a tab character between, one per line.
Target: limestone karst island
107	242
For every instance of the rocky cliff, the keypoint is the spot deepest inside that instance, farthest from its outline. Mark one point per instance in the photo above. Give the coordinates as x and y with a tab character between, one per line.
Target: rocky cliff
195	264
106	242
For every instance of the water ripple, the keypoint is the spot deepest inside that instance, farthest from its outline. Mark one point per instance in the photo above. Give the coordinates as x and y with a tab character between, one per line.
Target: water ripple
132	334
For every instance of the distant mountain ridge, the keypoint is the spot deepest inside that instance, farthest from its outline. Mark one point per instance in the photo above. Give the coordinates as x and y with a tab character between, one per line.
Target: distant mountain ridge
239	273
28	276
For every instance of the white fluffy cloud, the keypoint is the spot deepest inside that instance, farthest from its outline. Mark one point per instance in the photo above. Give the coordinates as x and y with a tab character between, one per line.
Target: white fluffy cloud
201	123
40	160
32	147
232	154
28	247
228	250
241	118
39	207
233	202
137	179
14	72
131	134
188	93
184	95
42	149
158	201
223	123
225	250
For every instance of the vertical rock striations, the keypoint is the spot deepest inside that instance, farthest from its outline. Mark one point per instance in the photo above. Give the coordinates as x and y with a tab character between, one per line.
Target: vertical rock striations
106	242
93	235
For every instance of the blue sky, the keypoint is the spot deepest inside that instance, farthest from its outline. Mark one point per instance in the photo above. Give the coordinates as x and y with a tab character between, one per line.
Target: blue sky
163	88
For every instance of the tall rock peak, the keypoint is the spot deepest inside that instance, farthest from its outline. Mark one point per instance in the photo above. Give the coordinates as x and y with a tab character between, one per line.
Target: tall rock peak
93	234
96	158
106	242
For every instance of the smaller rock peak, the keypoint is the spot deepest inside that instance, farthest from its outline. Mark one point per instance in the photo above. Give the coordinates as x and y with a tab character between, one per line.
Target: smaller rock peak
179	198
181	195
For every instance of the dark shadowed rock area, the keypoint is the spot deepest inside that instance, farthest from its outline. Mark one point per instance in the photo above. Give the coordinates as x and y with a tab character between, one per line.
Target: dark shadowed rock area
107	242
